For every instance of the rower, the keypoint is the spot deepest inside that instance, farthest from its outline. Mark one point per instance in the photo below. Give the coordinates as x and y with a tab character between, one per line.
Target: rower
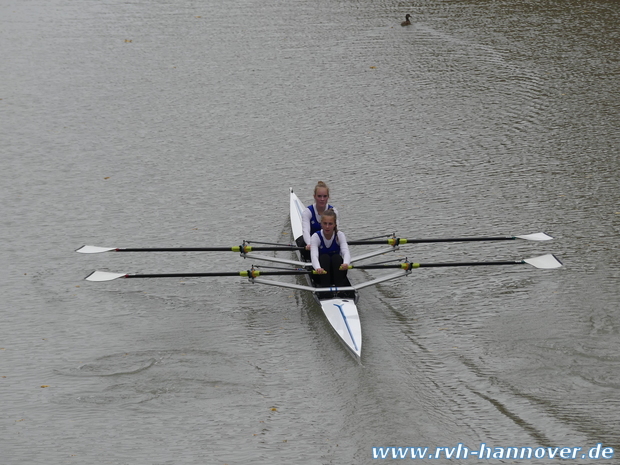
329	252
311	217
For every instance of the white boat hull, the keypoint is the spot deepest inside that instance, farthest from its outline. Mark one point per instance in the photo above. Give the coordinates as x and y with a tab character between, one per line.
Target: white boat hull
341	313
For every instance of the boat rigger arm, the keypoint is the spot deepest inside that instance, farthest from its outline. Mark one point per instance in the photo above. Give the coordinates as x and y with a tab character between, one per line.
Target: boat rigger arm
355	287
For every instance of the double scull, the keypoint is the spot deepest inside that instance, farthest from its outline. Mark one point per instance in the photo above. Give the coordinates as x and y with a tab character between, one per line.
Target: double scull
338	304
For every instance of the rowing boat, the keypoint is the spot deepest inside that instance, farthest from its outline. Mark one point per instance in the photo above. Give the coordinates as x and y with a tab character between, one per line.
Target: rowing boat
338	304
341	313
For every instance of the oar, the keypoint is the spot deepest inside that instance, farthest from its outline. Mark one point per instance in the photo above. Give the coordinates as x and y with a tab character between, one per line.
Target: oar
548	261
397	241
107	276
239	248
247	249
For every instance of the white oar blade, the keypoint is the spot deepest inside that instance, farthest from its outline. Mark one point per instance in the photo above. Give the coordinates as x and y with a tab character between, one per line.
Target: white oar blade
545	262
535	237
99	276
94	249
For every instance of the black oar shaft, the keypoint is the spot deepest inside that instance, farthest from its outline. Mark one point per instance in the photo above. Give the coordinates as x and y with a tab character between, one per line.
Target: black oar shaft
177	249
409	266
179	275
249	273
99	276
433	265
208	249
398	241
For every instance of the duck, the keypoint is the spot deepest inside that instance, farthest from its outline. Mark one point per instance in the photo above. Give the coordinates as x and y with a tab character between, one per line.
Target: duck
406	22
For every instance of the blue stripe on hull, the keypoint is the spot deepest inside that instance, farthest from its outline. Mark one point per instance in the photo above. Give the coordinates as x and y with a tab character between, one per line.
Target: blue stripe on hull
347	325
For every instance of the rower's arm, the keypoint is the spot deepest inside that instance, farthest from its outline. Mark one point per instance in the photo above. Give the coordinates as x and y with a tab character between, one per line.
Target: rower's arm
306	215
344	248
314	251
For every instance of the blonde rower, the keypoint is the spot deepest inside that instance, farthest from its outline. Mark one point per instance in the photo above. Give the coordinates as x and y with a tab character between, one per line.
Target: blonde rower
329	252
311	216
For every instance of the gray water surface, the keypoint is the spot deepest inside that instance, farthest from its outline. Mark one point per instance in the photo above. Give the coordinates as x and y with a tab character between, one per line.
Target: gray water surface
145	124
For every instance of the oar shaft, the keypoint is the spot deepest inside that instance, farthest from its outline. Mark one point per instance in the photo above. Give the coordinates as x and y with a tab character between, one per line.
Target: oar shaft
434	265
409	266
545	262
180	275
208	249
176	249
107	276
241	248
398	241
248	273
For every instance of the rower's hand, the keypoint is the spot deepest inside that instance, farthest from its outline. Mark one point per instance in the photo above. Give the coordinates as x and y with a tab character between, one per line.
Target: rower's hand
308	247
320	271
344	266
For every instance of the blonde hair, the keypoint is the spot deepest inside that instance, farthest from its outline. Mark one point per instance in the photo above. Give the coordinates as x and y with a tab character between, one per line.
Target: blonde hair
319	185
332	213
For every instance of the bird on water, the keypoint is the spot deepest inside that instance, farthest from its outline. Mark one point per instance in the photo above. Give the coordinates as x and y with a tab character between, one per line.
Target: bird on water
406	22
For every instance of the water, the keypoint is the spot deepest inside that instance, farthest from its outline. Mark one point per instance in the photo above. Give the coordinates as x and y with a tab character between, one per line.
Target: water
184	123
